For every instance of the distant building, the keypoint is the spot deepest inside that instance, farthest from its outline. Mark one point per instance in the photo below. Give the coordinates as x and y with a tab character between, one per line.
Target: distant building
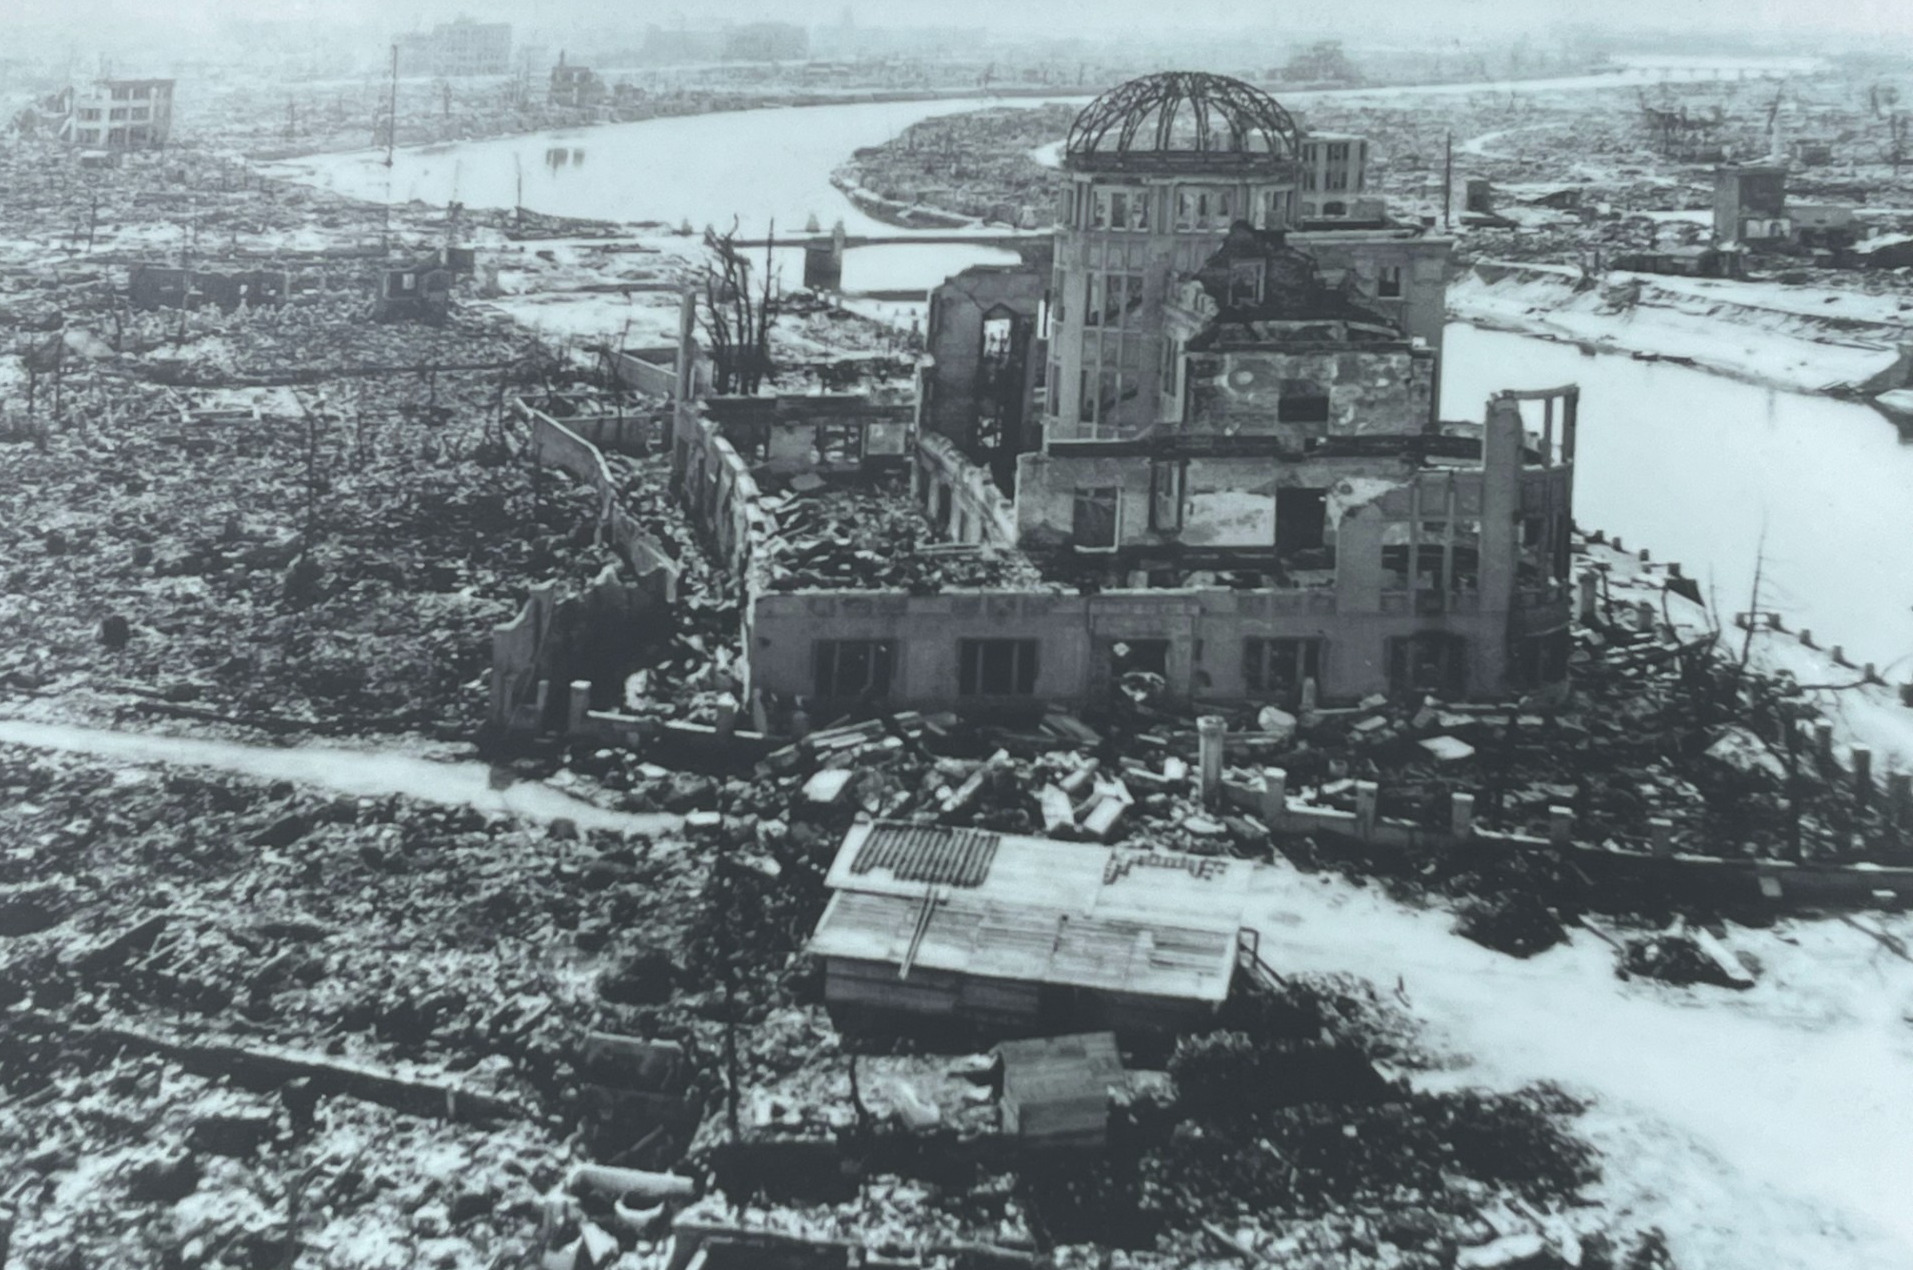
120	114
1331	174
422	290
679	46
459	48
1750	203
578	87
1751	208
766	42
168	287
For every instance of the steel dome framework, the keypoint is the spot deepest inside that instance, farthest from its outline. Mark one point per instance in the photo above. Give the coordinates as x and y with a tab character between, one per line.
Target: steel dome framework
1180	116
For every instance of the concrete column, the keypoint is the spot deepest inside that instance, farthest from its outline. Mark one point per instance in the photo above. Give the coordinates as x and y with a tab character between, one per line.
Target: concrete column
543	703
1366	795
576	707
1899	791
725	724
1461	816
1210	731
1823	740
1310	692
1588	591
1661	831
1645	612
1862	774
1275	796
1560	825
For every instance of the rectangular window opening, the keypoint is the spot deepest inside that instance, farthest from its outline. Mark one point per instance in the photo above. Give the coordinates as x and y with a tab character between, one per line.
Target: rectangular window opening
996	667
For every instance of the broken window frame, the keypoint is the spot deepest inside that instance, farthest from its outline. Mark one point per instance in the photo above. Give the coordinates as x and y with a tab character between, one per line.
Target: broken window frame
996	667
1246	280
1276	665
853	669
1165	496
1303	401
1388	282
1096	517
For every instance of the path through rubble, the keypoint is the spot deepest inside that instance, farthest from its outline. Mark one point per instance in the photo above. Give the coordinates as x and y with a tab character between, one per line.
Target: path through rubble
1765	1129
360	773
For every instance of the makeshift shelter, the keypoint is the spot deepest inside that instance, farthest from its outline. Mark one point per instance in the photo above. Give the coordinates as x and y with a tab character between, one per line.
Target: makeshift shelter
1017	935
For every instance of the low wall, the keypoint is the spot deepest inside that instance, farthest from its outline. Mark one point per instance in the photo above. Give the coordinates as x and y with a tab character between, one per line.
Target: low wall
718	492
594	637
651	370
553	444
978	511
1651	863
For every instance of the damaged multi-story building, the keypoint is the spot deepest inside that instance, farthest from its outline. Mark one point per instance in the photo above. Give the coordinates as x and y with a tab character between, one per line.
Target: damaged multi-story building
119	114
1200	445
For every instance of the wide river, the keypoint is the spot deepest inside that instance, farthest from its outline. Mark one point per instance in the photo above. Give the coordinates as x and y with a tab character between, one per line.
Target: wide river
1707	471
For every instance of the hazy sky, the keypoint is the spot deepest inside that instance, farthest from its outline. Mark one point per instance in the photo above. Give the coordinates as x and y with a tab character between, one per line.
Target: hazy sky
1360	21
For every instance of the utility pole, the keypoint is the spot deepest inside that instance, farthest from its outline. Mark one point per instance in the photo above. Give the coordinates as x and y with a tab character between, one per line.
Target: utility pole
391	142
1447	179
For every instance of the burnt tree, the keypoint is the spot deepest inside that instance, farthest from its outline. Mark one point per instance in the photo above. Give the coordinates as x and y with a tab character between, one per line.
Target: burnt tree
736	322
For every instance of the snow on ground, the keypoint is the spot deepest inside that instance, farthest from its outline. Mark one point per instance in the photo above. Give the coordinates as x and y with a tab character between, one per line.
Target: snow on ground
358	773
1709	1105
1760	331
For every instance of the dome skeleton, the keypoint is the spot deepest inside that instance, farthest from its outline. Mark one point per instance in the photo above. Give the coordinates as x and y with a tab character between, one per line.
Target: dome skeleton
1184	112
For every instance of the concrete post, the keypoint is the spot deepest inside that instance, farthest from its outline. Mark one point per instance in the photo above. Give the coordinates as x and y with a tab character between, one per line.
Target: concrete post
1310	693
1585	597
1644	555
1645	611
1210	731
1560	825
1275	796
799	722
1661	830
576	707
725	724
1899	791
543	703
1367	793
1862	774
1461	816
1617	543
1823	740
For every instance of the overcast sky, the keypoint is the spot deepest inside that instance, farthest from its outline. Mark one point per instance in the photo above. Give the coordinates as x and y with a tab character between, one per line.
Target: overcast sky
1359	21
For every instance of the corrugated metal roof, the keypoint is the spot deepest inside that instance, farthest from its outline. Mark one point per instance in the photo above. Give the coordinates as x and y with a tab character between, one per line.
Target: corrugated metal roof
974	936
936	854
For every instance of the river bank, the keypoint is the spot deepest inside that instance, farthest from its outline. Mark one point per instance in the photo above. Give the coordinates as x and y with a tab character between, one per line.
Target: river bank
1802	339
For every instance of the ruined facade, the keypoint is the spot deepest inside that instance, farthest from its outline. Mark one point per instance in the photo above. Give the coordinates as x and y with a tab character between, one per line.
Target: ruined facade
120	114
1230	471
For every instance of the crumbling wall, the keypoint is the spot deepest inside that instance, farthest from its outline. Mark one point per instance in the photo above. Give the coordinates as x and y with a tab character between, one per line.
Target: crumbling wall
649	370
978	510
595	637
1370	391
553	444
1206	629
828	433
956	384
718	492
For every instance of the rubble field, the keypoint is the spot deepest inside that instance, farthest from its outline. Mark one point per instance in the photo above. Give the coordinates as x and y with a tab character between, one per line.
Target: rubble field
240	1014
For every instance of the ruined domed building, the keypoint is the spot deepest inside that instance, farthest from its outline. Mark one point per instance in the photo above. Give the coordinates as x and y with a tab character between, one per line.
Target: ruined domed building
1210	422
1236	417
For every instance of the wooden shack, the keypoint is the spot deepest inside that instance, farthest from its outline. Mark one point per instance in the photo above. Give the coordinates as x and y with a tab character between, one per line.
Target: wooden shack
1056	1089
1012	936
